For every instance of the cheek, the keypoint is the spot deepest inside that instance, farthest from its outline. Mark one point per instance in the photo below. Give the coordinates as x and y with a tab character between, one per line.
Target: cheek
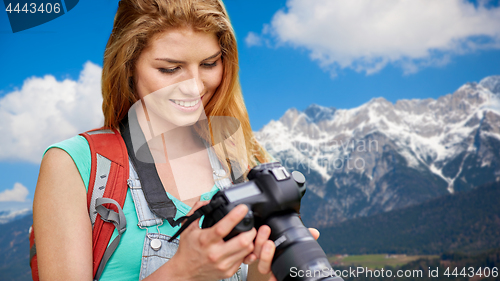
212	84
142	83
215	79
149	81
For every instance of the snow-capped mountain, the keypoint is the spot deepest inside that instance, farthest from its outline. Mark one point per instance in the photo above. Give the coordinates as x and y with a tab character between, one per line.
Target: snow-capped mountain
383	156
11	215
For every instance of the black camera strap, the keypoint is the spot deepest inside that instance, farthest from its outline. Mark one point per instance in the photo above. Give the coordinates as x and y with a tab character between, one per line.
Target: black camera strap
204	210
153	189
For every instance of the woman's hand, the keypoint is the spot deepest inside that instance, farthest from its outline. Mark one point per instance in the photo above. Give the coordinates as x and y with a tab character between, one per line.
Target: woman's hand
264	253
204	255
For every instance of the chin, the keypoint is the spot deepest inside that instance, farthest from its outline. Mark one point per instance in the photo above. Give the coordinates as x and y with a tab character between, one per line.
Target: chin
185	121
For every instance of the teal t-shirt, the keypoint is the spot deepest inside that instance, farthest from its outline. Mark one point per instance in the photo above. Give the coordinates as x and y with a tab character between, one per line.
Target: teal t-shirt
125	263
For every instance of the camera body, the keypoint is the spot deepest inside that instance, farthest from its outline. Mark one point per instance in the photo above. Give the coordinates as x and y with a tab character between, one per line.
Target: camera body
270	190
273	196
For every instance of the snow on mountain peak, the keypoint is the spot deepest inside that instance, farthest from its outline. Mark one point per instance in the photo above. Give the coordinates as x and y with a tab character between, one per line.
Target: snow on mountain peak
491	83
382	156
427	131
317	113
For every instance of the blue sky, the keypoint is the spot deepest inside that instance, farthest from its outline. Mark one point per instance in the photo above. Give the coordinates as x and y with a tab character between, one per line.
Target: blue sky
292	54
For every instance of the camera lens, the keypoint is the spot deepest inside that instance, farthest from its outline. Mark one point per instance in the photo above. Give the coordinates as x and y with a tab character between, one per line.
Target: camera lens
298	256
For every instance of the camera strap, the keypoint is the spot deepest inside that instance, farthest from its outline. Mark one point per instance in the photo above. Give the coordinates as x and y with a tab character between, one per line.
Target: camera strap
204	210
153	189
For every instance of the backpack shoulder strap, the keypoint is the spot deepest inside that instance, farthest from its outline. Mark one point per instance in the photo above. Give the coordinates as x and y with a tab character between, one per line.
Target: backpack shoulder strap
107	187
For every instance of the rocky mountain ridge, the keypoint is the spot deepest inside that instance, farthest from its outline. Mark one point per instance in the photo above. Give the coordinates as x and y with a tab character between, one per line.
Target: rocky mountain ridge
382	156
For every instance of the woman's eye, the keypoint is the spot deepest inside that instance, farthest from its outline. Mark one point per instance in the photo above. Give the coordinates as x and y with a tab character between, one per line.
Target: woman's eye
168	70
210	65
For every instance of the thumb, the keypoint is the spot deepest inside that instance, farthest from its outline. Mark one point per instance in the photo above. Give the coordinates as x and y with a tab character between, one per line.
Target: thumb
314	233
196	206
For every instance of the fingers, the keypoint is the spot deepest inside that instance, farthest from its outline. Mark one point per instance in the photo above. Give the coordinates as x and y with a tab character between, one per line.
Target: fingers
314	233
222	228
266	257
260	239
250	259
262	236
240	246
264	249
232	253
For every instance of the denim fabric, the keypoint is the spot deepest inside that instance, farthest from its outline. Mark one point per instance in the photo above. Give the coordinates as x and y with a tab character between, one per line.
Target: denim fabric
152	259
220	178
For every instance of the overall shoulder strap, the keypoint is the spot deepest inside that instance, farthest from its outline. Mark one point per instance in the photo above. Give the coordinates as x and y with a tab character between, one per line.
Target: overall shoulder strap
107	187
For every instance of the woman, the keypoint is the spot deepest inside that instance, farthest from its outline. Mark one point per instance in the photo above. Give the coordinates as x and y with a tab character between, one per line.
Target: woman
157	46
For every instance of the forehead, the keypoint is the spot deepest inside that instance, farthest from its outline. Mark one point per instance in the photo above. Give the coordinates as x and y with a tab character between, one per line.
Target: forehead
183	44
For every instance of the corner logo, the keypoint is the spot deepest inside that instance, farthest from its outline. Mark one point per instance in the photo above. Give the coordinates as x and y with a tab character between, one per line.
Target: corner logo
30	13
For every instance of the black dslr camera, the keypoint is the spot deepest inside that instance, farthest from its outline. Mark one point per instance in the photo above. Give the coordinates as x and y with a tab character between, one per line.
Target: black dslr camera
273	198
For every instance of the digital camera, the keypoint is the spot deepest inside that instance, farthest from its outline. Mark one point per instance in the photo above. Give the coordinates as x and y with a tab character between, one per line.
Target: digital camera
273	198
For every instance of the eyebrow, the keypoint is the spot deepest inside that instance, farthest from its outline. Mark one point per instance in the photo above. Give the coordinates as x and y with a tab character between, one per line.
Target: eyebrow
181	62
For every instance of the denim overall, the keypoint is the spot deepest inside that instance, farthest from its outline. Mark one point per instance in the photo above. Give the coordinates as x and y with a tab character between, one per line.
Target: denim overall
157	250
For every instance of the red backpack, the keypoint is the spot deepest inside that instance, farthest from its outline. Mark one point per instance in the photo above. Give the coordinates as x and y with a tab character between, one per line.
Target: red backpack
107	187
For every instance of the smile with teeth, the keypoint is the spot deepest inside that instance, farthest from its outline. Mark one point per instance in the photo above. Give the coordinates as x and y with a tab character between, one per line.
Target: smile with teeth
186	103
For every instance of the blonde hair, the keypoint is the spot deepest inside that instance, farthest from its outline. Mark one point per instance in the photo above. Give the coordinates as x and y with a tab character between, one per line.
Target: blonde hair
136	22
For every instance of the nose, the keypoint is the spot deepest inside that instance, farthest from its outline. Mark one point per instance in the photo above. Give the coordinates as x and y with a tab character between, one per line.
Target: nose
190	88
199	83
194	86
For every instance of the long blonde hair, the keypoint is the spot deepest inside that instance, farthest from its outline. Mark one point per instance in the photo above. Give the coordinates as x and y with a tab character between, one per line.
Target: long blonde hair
136	22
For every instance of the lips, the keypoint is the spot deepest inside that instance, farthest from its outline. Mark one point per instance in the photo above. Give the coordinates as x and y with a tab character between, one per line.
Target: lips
186	104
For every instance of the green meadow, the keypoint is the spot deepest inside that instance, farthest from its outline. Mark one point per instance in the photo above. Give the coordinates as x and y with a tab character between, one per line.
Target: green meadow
375	261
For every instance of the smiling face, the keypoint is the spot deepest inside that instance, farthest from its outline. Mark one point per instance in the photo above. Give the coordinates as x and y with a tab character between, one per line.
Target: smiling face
179	68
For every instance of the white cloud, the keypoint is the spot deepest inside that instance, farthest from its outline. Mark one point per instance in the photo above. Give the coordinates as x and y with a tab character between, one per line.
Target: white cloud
45	111
18	193
367	35
253	39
